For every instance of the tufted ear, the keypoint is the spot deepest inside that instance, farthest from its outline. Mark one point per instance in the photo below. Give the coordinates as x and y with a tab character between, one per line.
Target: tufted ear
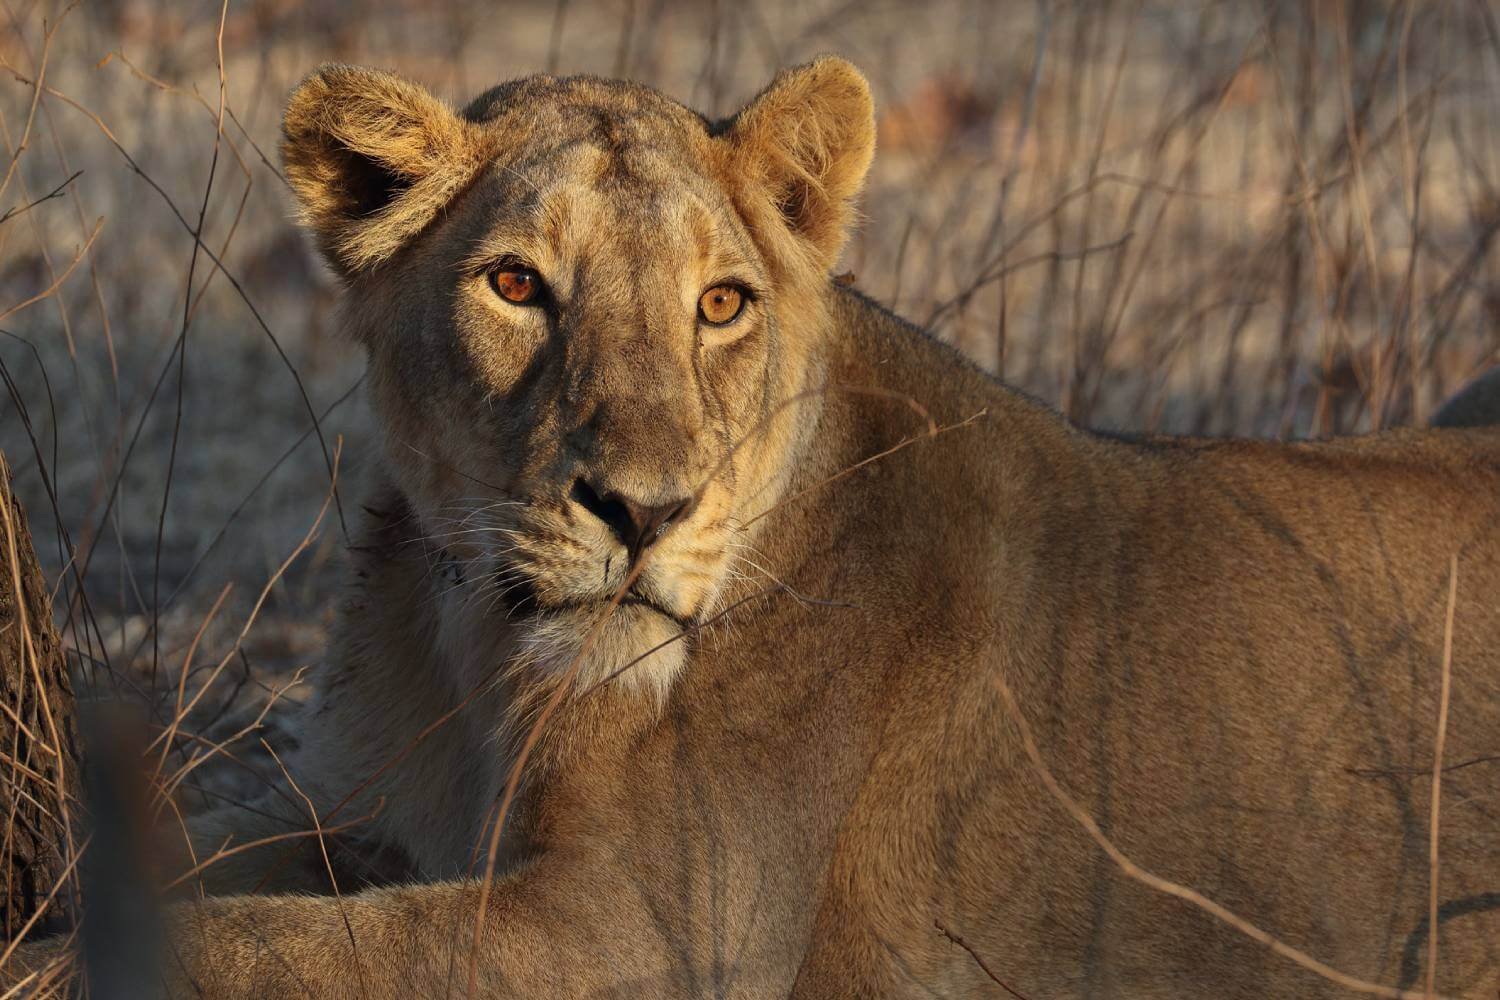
807	142
372	159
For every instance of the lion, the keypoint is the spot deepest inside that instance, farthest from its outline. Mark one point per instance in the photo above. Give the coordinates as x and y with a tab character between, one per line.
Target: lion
712	630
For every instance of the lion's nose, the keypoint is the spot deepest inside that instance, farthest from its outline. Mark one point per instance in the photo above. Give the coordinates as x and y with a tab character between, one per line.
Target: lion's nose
637	525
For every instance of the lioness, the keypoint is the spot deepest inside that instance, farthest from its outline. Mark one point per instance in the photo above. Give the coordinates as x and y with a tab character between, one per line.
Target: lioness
752	558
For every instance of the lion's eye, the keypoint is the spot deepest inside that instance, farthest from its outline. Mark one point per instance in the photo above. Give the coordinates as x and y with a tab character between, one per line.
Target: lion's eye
720	305
516	284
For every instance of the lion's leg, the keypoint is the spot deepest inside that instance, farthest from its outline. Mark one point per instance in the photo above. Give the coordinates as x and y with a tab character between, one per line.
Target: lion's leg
579	921
407	942
542	936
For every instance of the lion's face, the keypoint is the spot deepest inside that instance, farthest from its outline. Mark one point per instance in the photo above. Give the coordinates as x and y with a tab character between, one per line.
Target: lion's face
586	310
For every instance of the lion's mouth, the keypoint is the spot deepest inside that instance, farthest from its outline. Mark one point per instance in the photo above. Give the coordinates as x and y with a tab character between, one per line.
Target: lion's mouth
521	597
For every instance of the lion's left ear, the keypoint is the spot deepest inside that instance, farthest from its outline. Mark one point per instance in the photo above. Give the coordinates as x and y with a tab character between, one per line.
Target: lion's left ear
807	142
372	159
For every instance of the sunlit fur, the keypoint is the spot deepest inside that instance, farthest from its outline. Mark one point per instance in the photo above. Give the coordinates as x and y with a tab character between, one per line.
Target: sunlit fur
480	579
624	203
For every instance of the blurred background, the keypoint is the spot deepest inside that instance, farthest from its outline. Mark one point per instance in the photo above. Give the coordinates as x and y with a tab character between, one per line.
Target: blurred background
1200	216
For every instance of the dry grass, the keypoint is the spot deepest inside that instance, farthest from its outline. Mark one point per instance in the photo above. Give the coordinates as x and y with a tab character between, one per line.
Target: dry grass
1220	217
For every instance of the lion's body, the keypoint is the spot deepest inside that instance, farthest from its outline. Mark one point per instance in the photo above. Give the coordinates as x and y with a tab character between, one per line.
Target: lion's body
1229	653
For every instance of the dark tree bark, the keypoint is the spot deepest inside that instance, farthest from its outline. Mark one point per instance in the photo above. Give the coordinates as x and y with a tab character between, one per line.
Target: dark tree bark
39	746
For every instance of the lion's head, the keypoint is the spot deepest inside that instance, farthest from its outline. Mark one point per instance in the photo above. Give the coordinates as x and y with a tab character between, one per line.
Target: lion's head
585	308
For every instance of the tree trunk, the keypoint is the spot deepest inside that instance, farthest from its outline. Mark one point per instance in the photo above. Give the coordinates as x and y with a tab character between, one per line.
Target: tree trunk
39	747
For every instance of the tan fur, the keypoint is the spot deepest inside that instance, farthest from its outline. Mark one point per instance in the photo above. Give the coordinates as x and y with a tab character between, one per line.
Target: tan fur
1229	651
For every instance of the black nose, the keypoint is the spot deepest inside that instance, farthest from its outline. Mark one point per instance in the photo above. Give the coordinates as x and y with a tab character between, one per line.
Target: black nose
636	525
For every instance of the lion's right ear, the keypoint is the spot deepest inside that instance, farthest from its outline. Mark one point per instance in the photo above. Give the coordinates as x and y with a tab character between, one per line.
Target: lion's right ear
372	159
806	144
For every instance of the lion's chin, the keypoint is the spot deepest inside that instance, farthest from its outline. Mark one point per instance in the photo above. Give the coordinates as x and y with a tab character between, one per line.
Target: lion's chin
632	645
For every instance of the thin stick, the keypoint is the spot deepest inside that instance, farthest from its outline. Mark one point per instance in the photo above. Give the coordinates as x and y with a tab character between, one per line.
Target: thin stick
56	192
1437	783
338	897
956	939
56	284
227	851
1154	881
905	442
513	781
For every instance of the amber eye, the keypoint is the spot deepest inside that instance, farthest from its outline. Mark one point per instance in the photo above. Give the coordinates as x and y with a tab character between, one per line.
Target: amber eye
721	304
516	284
